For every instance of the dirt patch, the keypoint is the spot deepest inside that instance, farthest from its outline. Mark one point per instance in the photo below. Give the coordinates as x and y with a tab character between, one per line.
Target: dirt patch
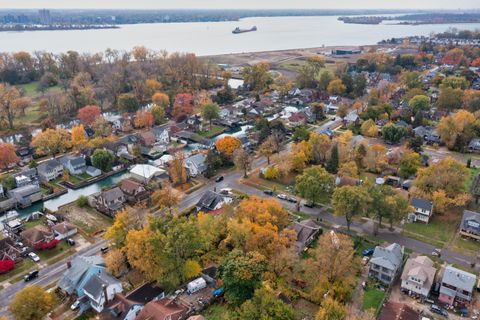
305	309
89	222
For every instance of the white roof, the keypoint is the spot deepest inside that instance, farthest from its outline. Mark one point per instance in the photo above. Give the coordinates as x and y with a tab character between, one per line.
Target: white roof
146	171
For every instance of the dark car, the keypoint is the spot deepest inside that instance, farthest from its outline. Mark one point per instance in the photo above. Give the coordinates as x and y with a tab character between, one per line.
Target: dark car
309	204
292	200
219	178
268	192
70	241
30	276
438	310
104	250
368	252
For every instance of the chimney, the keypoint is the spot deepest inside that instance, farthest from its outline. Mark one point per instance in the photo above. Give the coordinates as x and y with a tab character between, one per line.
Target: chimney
69	264
104	287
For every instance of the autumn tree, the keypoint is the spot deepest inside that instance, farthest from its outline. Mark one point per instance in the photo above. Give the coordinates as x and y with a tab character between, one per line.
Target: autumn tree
144	119
88	115
320	145
283	85
242	161
124	221
210	112
330	309
300	155
267	148
79	137
115	261
409	164
241	274
265	305
51	142
182	106
166	198
161	99
348	169
227	145
101	127
471	100
158	113
127	102
177	170
263	211
257	77
336	87
32	303
450	98
8	97
453	129
369	128
419	103
398	208
103	160
314	183
349	201
8	155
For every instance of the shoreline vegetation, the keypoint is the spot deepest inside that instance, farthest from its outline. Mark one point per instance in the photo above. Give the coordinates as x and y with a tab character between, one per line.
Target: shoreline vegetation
415	19
26	27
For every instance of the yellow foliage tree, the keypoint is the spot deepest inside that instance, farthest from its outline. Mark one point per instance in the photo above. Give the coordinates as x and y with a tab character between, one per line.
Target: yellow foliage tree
32	303
51	142
116	262
79	138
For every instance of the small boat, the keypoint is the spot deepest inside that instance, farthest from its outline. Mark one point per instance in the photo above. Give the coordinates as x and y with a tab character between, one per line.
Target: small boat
238	30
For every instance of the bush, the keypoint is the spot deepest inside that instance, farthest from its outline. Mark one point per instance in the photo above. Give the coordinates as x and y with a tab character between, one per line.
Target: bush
82	201
271	173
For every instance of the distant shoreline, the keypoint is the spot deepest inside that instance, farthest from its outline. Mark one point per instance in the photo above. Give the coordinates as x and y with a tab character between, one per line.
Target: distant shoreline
22	28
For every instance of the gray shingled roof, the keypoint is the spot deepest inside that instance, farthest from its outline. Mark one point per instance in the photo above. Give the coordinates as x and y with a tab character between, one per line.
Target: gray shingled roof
94	285
421	203
460	279
471	221
390	257
80	265
113	194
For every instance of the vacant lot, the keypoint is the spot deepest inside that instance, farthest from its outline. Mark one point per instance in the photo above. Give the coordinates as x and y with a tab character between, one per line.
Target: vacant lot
439	231
89	221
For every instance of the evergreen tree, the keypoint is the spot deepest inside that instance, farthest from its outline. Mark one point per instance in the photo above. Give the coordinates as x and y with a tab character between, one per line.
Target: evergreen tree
332	163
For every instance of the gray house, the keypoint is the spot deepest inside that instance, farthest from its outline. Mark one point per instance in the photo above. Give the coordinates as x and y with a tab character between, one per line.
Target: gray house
386	263
457	286
74	164
474	145
307	231
470	225
196	164
423	209
26	195
50	170
108	202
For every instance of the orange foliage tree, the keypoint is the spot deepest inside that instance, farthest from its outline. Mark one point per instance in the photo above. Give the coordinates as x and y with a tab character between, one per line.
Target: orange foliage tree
144	119
183	106
7	155
453	57
263	211
88	114
227	145
79	138
161	99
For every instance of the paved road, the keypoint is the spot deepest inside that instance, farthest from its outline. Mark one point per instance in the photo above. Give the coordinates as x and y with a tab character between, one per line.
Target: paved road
47	275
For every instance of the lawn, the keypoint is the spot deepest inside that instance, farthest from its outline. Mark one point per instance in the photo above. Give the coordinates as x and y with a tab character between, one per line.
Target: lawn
296	64
465	246
214	131
33	115
61	248
75	179
473	173
217	311
438	232
20	268
372	298
30	89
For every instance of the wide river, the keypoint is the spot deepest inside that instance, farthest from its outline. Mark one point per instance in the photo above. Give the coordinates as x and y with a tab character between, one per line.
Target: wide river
209	38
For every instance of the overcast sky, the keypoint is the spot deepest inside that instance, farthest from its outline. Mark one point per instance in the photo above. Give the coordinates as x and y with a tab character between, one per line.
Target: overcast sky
232	4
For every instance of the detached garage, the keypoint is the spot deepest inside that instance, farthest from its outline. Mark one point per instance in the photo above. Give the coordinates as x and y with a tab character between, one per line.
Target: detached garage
64	230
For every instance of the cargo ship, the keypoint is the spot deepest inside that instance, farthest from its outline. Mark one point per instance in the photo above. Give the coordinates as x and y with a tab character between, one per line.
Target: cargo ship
238	30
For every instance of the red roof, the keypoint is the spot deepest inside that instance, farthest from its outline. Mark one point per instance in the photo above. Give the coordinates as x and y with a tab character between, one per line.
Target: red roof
297	117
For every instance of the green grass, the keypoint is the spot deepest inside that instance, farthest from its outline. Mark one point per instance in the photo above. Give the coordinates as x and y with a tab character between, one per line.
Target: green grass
33	223
473	173
217	312
30	89
465	246
372	299
61	247
436	232
210	133
33	115
84	176
75	179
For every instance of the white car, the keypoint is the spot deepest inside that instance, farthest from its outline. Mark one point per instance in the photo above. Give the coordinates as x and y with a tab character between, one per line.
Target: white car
34	257
282	196
75	305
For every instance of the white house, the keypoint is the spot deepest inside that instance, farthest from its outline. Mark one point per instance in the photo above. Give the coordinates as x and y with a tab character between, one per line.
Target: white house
423	210
100	288
50	170
196	164
162	134
418	276
74	164
64	230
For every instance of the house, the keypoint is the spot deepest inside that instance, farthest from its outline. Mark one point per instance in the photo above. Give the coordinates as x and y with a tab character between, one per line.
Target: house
307	231
474	145
8	251
351	118
74	164
100	288
423	209
145	172
398	311
196	164
385	263
297	119
38	238
64	230
162	134
418	276
428	134
50	170
26	195
470	225
147	138
79	270
164	309
93	172
21	180
129	306
211	201
134	191
117	148
457	286
108	202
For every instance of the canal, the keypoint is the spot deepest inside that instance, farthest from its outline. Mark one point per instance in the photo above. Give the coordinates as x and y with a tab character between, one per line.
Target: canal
72	195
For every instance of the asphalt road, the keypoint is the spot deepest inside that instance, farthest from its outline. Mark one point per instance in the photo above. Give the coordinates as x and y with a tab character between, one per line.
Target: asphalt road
47	275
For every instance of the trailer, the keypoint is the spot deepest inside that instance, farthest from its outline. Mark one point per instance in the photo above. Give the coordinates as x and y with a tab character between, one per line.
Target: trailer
196	285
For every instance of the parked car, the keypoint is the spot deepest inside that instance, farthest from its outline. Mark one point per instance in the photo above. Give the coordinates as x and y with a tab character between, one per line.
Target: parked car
438	310
31	275
70	241
309	204
34	257
268	192
365	260
219	178
282	196
437	252
75	305
104	250
292	200
368	252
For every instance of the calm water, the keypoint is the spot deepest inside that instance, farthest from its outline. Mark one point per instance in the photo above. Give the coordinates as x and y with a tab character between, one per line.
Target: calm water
208	38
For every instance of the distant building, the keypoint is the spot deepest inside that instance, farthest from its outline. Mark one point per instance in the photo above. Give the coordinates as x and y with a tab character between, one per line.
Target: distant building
45	18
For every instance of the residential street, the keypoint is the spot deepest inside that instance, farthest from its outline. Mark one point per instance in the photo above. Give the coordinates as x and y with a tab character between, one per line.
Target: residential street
48	275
